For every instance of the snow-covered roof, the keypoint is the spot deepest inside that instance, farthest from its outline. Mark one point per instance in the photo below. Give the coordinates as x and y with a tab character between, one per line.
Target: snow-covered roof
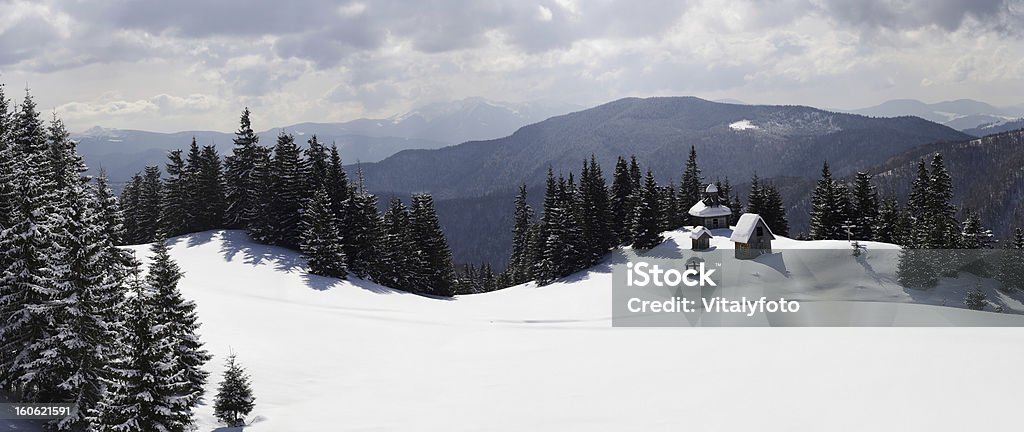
702	210
699	231
745	228
711	188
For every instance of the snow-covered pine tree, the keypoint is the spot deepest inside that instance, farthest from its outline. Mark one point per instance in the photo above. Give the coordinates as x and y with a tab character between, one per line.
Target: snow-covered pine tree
487	280
242	176
888	227
690	187
594	214
975	299
176	217
286	194
520	263
577	254
944	226
395	255
129	205
178	324
732	201
77	353
208	184
360	230
670	211
320	241
1011	264
337	186
29	246
774	210
829	203
865	207
620	200
755	199
147	209
234	398
916	268
144	396
436	276
973	237
317	164
646	224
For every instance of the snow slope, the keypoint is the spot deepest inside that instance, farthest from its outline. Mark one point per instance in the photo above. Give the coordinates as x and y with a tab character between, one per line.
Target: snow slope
329	355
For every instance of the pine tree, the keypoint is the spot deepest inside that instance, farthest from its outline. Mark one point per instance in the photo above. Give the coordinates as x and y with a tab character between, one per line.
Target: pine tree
918	207
208	185
321	243
829	207
1011	264
145	207
647	227
690	186
360	230
888	227
434	273
143	395
944	226
179	325
865	207
129	204
975	299
916	268
670	211
243	176
520	264
593	214
620	201
766	201
317	164
755	199
286	194
176	216
234	398
336	184
395	257
30	249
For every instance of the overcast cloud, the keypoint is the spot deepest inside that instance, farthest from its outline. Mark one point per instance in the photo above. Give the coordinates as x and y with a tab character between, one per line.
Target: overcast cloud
193	64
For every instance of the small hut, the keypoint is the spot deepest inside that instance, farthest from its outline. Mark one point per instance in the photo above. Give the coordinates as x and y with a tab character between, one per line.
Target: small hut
700	237
752	237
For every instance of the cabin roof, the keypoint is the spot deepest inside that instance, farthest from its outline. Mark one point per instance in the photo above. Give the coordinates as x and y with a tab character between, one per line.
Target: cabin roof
703	210
699	231
745	228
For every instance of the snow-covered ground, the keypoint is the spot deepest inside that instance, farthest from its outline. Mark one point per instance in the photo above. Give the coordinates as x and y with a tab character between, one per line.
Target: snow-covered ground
329	355
742	125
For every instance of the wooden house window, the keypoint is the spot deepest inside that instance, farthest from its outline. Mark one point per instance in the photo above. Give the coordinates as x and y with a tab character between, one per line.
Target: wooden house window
760	231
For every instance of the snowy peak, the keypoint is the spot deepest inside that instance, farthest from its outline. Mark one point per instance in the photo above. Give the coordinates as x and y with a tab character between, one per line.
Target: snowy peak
960	114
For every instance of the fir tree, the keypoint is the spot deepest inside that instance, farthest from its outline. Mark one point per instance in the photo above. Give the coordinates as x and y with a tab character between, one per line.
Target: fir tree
129	204
621	204
594	214
865	207
647	227
336	184
1011	264
29	246
286	194
243	176
765	200
317	164
360	230
145	207
434	272
234	398
888	227
179	325
176	217
975	299
144	394
916	268
395	257
520	263
943	226
208	185
671	213
918	207
321	243
690	186
829	205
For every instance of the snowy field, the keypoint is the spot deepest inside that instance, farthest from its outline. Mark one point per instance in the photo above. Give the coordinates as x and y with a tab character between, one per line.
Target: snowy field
329	355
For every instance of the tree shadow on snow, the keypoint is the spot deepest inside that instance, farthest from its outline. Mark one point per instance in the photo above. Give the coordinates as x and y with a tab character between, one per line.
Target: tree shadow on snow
235	243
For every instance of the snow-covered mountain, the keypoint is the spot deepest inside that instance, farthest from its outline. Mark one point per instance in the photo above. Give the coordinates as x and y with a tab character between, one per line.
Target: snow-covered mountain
960	114
123	152
327	354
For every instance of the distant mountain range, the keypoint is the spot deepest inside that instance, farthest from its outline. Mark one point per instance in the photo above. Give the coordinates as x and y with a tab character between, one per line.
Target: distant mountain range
965	115
474	181
124	152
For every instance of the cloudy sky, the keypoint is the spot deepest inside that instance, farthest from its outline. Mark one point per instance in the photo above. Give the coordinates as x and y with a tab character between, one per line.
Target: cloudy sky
192	64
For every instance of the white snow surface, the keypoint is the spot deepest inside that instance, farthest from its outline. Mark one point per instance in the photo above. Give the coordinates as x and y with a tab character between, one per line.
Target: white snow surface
327	355
743	125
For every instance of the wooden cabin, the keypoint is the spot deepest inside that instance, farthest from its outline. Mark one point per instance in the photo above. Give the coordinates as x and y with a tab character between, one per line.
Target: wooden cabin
700	238
752	237
710	211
